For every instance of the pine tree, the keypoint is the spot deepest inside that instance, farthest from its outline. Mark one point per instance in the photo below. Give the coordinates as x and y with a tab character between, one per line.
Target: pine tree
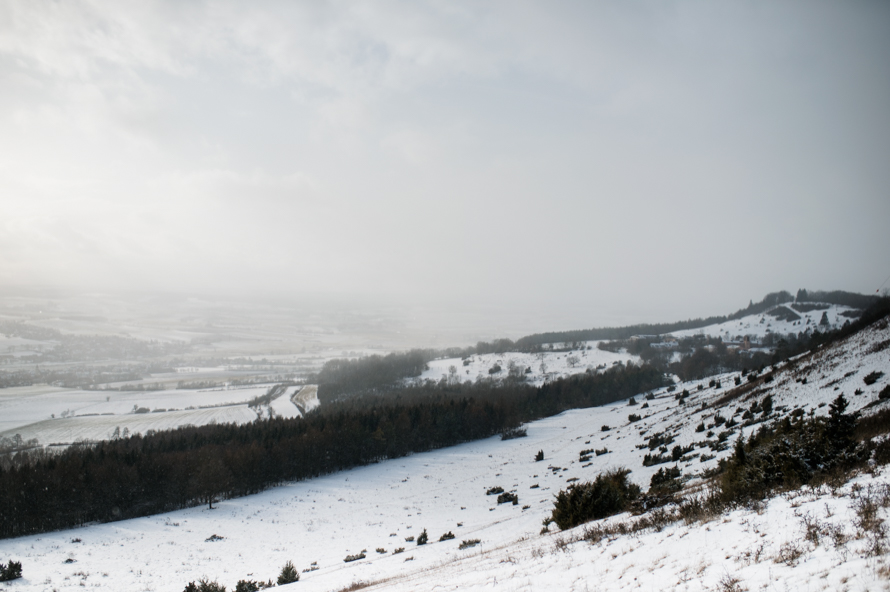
841	425
289	574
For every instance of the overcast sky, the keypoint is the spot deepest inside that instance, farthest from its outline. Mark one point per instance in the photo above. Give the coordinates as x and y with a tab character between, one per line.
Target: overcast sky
641	160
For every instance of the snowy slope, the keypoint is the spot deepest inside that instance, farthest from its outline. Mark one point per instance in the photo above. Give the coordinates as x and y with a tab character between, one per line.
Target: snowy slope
759	325
323	520
543	366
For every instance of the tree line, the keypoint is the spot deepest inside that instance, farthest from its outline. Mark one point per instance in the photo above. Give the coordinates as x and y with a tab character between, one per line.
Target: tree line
772	299
703	356
143	475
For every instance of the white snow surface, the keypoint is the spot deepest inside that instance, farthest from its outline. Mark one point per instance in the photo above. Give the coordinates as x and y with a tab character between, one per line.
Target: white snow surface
556	364
63	431
94	414
283	406
306	398
323	520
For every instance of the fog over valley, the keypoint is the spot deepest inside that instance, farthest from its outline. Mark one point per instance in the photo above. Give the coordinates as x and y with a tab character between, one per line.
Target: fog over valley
629	163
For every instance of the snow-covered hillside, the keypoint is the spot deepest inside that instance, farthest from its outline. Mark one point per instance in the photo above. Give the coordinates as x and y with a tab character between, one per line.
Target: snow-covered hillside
780	320
536	368
319	522
560	360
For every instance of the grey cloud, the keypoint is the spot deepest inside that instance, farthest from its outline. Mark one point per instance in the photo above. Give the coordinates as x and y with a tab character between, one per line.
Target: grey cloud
658	159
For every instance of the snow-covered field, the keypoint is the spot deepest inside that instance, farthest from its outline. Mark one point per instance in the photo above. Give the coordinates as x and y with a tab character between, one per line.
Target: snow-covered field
102	427
317	523
93	415
546	365
306	398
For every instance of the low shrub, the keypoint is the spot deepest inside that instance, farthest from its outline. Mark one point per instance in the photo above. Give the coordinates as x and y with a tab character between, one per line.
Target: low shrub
511	433
356	557
446	537
539	456
289	574
10	571
609	494
788	454
665	480
656	459
872	377
494	490
508	497
423	538
659	439
204	585
469	543
247	586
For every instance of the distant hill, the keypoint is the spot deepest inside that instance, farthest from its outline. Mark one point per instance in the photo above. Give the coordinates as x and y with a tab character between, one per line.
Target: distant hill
851	299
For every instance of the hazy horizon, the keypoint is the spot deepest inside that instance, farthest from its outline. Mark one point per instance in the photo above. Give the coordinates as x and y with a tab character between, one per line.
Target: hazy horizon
549	166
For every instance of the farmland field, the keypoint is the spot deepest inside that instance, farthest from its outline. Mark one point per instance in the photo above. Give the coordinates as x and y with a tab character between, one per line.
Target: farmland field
63	416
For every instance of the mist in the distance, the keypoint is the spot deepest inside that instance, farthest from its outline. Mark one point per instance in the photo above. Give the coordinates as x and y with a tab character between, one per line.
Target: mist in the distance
512	166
